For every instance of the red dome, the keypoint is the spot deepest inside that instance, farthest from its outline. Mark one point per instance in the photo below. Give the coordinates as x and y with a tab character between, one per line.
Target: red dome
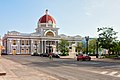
46	18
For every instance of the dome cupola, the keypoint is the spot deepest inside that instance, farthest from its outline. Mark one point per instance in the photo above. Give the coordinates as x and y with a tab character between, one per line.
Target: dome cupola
46	21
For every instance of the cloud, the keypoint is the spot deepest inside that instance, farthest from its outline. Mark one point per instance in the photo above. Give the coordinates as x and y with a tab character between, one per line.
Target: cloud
88	14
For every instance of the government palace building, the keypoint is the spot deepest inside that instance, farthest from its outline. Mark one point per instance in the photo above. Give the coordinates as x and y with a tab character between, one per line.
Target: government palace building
43	40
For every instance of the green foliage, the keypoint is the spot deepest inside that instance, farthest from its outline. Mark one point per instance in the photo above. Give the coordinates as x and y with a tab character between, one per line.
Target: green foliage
92	45
115	48
84	50
63	46
79	47
106	37
92	54
64	54
110	56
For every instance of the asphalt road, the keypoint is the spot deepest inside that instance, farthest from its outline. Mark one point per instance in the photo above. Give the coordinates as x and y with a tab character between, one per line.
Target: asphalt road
70	69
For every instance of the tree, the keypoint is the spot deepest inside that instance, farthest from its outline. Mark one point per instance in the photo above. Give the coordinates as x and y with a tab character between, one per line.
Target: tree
115	47
63	46
79	47
92	45
106	37
118	47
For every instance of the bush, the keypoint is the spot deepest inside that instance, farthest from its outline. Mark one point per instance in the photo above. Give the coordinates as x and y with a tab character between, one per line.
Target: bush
92	54
110	56
64	54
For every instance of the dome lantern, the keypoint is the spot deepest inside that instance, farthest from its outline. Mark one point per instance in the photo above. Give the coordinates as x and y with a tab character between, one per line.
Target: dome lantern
46	11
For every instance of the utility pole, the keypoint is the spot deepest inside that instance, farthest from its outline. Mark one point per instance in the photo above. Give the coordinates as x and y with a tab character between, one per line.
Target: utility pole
87	39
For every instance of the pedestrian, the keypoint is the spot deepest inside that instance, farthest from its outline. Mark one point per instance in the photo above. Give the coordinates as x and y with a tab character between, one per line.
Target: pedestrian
50	56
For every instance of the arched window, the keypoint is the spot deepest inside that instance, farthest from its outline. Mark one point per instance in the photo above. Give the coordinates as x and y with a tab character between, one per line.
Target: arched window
49	34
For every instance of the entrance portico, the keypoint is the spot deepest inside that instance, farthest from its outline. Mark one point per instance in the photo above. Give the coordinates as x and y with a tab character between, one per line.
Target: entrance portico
48	46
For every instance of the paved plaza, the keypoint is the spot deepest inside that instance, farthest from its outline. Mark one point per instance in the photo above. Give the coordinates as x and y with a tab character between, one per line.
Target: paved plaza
26	67
16	71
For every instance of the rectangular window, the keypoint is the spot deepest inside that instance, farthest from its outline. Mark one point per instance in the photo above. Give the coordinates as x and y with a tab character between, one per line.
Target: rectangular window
14	42
35	42
27	43
22	42
53	42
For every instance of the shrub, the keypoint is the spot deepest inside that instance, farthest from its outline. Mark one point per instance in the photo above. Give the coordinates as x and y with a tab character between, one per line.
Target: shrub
110	56
92	54
64	54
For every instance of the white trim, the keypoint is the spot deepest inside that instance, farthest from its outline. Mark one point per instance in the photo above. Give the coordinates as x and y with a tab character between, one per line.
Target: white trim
49	31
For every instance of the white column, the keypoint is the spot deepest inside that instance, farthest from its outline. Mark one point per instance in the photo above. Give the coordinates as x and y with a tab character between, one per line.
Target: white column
31	46
18	48
38	46
42	45
10	49
55	46
45	46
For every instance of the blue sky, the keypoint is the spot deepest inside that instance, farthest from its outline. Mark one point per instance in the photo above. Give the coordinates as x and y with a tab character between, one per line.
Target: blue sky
73	17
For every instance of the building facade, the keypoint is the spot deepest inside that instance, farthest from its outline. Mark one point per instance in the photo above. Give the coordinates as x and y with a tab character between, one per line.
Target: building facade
43	40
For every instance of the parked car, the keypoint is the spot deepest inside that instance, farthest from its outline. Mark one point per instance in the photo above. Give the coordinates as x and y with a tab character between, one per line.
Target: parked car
55	55
4	53
44	55
35	54
117	57
83	57
47	55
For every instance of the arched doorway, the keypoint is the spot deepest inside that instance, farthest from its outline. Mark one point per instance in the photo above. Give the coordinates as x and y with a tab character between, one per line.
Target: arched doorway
23	51
14	51
27	51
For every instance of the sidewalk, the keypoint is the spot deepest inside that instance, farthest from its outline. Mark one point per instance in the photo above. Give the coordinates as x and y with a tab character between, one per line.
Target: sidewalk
93	58
71	56
16	71
67	57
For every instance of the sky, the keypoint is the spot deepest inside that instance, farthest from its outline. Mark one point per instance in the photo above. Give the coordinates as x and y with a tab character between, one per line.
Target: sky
73	17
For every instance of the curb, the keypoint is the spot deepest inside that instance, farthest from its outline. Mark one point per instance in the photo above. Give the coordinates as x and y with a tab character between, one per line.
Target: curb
2	72
66	58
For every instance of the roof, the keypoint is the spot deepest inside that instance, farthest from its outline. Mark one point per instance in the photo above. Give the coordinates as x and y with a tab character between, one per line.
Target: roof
47	18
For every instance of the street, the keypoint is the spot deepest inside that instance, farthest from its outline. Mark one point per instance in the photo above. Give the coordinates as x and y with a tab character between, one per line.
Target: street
70	69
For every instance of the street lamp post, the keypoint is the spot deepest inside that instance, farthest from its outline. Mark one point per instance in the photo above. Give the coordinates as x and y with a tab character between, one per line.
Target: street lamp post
87	39
49	46
97	48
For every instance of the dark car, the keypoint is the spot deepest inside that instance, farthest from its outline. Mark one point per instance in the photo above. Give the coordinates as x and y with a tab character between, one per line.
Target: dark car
35	54
55	55
83	57
44	55
117	57
47	55
4	53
